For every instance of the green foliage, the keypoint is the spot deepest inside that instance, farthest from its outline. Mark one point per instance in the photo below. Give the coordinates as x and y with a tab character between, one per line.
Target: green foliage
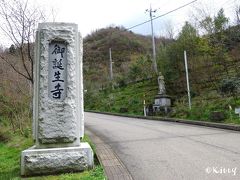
91	98
215	24
188	35
130	100
203	106
171	59
129	97
121	81
123	44
211	57
230	86
10	154
140	69
4	135
10	162
207	24
15	113
220	21
15	136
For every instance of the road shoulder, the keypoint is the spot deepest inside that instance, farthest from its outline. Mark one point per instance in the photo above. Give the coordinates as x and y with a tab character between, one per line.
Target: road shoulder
113	167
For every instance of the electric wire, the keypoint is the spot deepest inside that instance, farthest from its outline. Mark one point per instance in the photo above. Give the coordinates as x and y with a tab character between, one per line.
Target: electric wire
161	15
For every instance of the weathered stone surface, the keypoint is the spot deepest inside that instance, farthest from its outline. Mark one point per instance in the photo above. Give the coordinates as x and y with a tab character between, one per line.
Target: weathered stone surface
58	121
56	160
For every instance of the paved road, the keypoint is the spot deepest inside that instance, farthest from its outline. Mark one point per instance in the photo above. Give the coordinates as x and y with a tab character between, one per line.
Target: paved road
155	150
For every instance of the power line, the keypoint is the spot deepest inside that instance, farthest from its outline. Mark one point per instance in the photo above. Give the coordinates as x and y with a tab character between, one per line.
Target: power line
162	15
228	2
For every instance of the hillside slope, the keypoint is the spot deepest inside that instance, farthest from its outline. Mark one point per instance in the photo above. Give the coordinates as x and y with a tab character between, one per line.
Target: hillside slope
126	47
129	100
213	64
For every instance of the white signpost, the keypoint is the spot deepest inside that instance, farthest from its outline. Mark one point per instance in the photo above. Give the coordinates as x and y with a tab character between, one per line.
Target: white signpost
58	121
237	111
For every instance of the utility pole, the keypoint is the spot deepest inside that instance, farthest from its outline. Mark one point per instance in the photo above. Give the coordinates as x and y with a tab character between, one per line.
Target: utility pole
153	39
188	88
110	64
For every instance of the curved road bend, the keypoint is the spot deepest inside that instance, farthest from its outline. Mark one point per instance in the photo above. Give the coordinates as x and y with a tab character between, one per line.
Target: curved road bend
156	150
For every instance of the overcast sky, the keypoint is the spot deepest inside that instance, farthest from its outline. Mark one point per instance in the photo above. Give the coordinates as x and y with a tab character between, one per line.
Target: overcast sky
95	14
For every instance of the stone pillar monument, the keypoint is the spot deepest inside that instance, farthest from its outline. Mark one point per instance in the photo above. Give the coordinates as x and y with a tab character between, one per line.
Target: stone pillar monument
57	104
162	102
161	84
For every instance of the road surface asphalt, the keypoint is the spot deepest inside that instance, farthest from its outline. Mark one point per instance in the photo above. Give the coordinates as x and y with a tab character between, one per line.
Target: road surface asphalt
157	150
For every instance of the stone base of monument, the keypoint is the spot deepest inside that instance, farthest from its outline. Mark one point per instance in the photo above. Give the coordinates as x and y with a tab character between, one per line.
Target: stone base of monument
56	160
162	103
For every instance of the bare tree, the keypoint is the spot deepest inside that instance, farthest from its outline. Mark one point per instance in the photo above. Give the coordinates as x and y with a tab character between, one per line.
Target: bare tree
201	16
18	22
237	13
169	29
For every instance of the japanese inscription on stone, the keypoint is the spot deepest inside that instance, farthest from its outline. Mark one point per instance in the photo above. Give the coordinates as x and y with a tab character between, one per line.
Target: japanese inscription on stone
57	70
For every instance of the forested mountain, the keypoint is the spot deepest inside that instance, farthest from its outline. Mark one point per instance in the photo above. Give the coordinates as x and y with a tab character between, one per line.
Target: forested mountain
213	64
126	48
213	58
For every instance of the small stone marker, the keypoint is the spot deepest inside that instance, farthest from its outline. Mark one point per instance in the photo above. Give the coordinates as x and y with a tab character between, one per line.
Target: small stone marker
237	111
58	104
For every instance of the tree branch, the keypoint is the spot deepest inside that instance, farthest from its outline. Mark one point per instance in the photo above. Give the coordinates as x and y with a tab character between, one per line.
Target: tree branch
24	65
15	69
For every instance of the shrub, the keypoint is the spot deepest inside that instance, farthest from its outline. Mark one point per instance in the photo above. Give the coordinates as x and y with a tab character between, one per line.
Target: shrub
121	81
230	86
4	136
217	116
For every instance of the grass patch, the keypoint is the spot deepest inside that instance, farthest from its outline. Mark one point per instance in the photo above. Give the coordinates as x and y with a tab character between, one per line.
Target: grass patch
10	162
204	105
130	98
10	155
95	174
